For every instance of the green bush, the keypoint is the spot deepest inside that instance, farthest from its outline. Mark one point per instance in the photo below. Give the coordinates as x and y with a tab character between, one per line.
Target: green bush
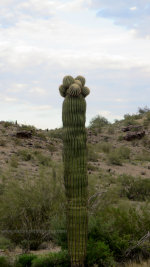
56	133
148	116
14	161
57	259
146	141
143	156
143	110
26	208
44	160
99	253
120	138
92	155
98	122
59	233
117	155
111	130
25	260
4	262
25	127
124	152
25	155
41	135
135	188
51	148
114	158
120	229
5	243
129	120
105	147
8	123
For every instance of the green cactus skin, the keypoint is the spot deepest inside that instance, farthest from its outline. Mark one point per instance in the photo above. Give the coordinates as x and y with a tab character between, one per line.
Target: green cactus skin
75	176
85	91
74	90
81	79
62	90
78	82
67	81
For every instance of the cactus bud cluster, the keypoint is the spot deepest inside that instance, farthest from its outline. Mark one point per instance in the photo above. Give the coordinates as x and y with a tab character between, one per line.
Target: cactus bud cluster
73	87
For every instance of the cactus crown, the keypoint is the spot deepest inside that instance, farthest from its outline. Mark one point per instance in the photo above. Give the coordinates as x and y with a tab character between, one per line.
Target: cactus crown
73	87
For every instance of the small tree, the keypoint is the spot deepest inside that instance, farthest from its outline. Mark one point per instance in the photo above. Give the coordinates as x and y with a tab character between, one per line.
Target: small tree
98	122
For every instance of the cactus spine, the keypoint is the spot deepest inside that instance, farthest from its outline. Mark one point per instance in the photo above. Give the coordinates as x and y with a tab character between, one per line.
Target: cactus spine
75	168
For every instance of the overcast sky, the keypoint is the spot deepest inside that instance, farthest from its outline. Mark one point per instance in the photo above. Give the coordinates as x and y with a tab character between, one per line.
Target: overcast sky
41	41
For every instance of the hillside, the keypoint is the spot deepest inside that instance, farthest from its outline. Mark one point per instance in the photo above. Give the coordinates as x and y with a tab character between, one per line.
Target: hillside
118	172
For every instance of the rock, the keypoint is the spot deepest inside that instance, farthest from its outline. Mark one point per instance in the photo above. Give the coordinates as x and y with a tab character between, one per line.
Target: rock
134	135
130	127
24	134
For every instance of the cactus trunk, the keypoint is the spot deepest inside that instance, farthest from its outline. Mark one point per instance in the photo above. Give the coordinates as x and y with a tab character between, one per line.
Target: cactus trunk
75	172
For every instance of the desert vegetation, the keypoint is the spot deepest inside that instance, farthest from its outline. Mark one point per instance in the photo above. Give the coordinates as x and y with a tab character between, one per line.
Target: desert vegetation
32	195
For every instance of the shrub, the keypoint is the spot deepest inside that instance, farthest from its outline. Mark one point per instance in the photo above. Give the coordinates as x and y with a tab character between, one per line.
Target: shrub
56	133
25	260
143	156
120	138
148	116
135	188
5	243
146	141
14	162
129	120
98	122
59	233
143	110
99	253
114	158
51	148
111	130
44	160
25	155
120	229
58	259
124	152
92	155
4	262
91	167
27	220
41	135
8	123
25	127
105	147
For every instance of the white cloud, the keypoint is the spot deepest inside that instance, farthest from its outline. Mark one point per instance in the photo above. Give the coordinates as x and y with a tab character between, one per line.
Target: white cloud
133	8
109	115
16	88
38	108
37	90
8	99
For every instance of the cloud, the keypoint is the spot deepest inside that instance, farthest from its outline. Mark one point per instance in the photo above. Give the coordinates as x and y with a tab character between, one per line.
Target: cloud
42	41
37	90
135	15
109	115
16	88
7	99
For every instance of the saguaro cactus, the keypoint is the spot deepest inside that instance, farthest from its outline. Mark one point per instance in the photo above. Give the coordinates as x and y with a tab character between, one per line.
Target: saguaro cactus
75	165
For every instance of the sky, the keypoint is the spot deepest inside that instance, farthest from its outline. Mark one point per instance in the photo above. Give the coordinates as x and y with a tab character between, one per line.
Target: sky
106	41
